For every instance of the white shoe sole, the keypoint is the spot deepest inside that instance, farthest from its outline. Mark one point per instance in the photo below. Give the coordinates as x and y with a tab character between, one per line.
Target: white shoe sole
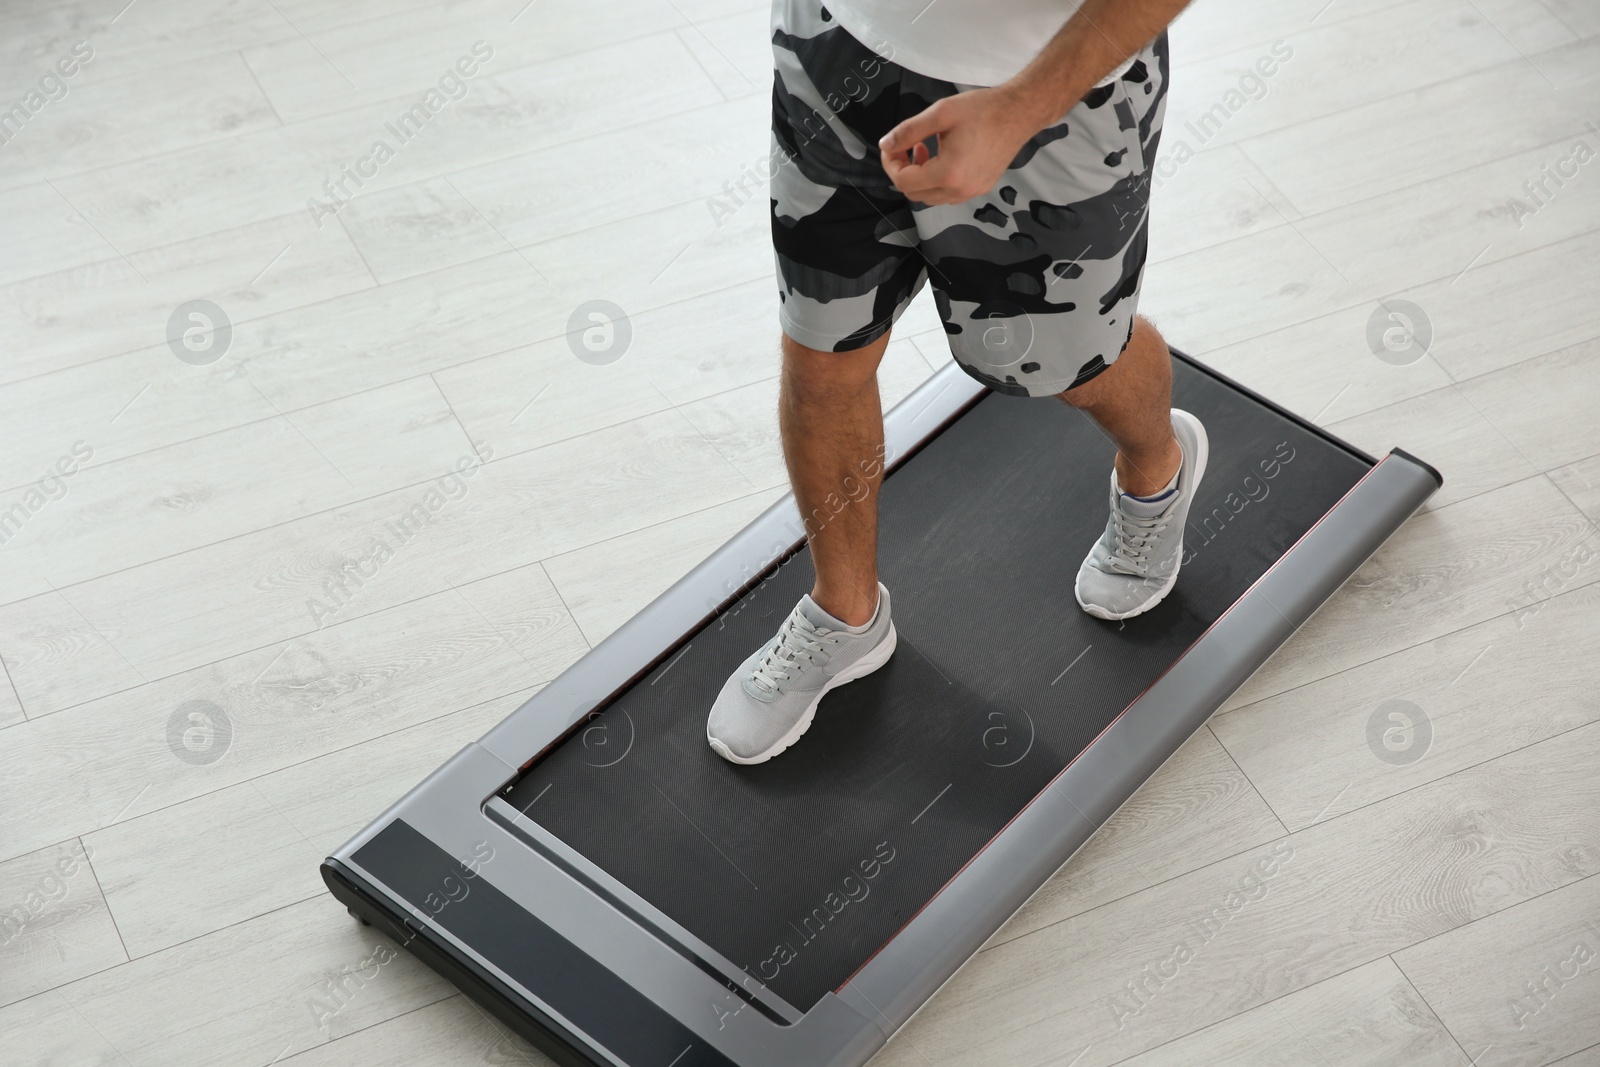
859	669
1160	594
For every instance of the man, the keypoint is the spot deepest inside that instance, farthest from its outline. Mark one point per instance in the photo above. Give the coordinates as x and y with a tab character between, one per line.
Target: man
1015	180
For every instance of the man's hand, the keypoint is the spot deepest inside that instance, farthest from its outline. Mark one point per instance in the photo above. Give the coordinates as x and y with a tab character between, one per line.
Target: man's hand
980	132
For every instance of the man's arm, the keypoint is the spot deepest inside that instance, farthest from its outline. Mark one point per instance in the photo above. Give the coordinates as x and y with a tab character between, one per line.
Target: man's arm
981	131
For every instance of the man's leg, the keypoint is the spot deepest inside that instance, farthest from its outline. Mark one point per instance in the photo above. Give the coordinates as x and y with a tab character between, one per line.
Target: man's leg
832	425
1132	401
831	418
847	266
1161	457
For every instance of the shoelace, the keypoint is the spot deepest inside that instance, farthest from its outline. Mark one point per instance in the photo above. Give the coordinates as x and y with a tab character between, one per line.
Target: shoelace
799	640
1135	537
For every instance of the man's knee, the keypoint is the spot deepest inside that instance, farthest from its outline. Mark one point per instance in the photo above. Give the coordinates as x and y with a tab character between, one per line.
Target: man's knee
1092	392
821	373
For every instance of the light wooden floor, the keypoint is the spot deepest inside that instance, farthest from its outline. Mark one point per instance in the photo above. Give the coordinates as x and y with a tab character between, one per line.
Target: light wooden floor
1437	906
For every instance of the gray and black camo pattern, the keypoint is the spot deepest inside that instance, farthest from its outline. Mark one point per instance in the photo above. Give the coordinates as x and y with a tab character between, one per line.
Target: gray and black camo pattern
1037	282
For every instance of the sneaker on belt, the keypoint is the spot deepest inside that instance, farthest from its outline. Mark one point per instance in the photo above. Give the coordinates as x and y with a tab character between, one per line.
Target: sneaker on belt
769	701
1135	562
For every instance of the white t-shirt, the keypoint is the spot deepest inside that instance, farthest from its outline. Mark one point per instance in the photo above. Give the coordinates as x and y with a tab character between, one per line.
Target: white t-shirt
973	42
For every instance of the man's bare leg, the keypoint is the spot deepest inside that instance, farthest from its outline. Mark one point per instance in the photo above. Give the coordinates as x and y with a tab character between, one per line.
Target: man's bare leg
830	416
831	419
1132	402
832	425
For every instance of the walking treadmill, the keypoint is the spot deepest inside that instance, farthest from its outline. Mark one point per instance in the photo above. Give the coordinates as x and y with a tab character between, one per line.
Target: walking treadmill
592	873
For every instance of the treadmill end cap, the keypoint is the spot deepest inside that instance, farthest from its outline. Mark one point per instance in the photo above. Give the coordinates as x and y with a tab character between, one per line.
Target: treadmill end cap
1424	464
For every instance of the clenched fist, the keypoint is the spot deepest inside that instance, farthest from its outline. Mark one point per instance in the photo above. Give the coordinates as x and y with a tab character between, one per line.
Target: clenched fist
979	133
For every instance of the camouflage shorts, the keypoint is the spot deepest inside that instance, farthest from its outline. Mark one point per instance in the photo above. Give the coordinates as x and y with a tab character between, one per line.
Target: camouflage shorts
1036	281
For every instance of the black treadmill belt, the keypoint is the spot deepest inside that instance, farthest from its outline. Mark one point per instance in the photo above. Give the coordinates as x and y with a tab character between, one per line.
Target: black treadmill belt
799	869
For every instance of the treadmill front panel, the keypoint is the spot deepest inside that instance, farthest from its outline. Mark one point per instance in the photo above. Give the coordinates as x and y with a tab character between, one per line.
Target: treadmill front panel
585	994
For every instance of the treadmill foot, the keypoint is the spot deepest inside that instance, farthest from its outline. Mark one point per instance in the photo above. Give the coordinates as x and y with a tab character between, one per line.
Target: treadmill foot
354	915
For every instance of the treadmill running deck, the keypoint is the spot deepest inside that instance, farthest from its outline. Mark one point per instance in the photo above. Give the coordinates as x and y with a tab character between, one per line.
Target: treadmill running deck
799	869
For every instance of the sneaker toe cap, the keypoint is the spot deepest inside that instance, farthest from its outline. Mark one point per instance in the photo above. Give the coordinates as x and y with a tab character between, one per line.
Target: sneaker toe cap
1111	593
740	727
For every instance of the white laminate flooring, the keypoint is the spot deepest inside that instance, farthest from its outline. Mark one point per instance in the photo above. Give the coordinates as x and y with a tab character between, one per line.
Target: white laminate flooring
188	581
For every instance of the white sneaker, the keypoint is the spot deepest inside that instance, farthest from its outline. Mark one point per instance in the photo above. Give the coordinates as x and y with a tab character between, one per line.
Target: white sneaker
770	700
1135	563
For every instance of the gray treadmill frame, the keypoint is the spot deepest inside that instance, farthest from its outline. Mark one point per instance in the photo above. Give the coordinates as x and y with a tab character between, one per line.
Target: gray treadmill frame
458	806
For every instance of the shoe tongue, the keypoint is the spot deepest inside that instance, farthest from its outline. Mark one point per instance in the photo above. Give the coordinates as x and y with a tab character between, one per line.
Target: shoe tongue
1147	509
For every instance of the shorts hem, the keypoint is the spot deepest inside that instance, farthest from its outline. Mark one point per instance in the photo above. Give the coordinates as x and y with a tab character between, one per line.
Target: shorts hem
1031	388
1028	389
828	342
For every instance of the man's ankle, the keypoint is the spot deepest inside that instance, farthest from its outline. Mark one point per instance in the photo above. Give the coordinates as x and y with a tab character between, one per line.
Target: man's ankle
852	610
1152	473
